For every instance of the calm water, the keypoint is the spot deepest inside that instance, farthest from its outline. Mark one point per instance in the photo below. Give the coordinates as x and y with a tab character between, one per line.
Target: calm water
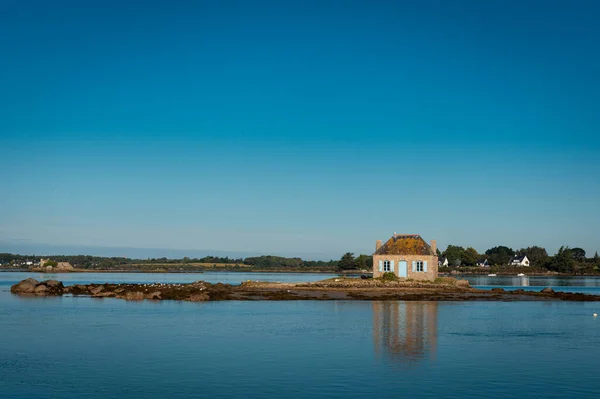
211	277
95	348
586	285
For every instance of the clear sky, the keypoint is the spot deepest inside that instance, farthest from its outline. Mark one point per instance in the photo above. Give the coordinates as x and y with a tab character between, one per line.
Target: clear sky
298	127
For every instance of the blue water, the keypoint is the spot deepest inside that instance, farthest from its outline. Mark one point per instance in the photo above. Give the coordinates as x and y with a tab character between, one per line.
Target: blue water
74	347
583	284
9	278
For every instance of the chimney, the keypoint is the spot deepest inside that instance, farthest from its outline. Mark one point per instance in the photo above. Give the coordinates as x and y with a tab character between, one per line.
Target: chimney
377	245
434	246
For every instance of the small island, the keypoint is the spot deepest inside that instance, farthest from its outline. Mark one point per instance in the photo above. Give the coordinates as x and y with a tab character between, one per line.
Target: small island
380	289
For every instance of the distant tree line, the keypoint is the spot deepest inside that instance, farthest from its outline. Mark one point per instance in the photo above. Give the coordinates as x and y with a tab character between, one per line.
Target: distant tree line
279	262
116	263
566	260
107	263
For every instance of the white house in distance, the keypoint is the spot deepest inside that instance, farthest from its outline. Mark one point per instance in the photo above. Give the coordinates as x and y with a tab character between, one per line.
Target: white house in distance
519	261
442	261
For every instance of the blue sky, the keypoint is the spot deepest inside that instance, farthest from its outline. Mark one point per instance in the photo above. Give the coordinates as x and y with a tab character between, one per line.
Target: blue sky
298	128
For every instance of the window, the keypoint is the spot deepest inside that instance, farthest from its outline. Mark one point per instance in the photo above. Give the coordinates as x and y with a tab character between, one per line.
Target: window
419	266
386	266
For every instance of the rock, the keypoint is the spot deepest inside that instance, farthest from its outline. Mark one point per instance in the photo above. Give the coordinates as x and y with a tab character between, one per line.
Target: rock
41	289
63	267
547	290
134	296
105	294
32	286
24	287
54	287
198	297
96	290
497	289
79	289
463	284
154	295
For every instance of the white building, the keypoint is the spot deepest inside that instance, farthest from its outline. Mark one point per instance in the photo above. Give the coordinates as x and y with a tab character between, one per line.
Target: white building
519	261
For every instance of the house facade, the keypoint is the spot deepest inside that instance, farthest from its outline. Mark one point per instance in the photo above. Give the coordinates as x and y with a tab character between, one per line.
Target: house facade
519	261
407	256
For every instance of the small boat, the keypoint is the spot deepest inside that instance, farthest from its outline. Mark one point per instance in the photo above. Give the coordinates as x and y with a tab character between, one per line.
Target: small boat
492	275
520	275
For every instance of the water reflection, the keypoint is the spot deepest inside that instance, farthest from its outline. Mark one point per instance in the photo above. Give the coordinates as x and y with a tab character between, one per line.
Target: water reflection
405	332
534	281
521	281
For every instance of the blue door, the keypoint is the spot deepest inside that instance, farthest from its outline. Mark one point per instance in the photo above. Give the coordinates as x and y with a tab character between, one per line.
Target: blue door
402	269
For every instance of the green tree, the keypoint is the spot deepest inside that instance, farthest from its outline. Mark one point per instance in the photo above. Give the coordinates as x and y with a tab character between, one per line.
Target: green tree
537	255
346	262
563	261
363	262
578	254
454	254
266	261
597	259
500	255
470	257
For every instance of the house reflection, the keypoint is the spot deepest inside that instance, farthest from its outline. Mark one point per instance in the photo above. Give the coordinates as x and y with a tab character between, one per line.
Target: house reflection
405	332
523	281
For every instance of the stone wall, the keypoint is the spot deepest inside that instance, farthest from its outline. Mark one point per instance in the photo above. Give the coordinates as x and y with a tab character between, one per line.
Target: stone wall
432	265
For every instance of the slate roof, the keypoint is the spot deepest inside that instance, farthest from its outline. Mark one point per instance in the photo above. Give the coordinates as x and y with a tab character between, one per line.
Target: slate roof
518	258
405	244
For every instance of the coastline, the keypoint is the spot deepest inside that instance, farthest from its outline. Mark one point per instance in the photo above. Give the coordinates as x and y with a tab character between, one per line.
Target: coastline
446	289
291	271
199	271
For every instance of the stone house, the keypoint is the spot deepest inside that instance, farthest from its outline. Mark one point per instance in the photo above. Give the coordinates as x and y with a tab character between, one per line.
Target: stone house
407	256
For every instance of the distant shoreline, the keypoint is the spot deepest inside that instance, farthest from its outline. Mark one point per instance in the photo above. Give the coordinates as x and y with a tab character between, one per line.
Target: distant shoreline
283	271
186	271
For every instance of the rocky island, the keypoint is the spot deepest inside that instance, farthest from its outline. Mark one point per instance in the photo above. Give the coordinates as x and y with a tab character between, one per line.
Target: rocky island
443	289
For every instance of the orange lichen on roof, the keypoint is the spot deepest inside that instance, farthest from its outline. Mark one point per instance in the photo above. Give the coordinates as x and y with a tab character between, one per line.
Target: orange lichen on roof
409	244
